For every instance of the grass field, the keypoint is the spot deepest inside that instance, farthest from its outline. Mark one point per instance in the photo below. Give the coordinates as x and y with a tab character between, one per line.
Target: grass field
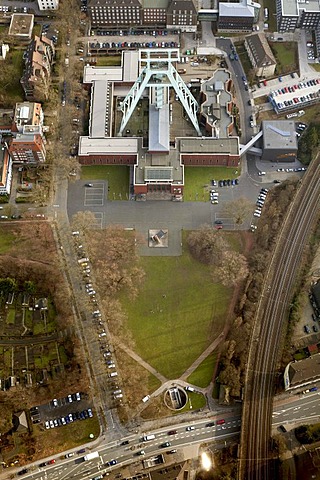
65	438
11	315
195	402
177	314
198	179
6	240
202	376
10	80
110	61
117	177
286	55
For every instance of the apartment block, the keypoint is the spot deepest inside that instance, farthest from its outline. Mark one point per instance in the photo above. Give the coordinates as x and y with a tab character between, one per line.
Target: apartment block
27	114
28	147
292	14
174	14
38	59
260	54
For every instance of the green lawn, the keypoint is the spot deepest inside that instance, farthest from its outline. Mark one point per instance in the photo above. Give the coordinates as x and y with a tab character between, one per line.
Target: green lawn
10	86
28	318
110	61
198	179
11	315
195	401
65	438
202	376
6	240
177	314
117	177
286	55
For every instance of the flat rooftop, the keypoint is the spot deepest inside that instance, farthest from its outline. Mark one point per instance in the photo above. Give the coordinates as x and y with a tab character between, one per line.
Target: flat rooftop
216	103
99	97
226	146
279	134
298	93
103	146
294	7
21	25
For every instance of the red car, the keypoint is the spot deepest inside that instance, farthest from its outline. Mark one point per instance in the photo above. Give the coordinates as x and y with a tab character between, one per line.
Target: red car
51	462
172	432
265	83
221	422
218	227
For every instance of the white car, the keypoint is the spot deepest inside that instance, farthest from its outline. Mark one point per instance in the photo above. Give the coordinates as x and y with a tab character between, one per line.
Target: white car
257	213
261	173
47	424
69	398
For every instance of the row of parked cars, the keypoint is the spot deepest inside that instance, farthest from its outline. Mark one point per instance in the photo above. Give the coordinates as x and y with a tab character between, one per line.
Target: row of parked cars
260	202
225	183
315	317
70	418
100	45
120	33
96	314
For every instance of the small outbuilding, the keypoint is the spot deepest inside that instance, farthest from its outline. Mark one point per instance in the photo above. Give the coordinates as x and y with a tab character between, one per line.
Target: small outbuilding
20	422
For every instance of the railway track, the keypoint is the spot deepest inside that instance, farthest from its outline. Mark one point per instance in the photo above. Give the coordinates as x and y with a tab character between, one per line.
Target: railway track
270	323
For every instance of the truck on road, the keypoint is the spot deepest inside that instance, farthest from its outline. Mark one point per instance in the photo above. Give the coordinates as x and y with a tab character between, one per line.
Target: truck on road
147	438
91	456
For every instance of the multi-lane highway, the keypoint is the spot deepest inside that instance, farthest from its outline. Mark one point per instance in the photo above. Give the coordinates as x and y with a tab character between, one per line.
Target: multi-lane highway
269	328
127	450
302	408
289	410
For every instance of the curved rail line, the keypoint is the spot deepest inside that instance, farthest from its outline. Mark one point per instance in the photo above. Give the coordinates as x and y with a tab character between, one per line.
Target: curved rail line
271	318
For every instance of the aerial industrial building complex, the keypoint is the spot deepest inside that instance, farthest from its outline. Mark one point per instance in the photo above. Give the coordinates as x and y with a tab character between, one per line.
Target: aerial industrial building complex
148	85
132	122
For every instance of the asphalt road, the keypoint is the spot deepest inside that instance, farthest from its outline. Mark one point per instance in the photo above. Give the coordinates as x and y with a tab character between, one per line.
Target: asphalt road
297	409
75	468
242	96
288	410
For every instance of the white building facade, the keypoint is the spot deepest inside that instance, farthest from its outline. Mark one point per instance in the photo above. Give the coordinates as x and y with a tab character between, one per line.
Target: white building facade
48	4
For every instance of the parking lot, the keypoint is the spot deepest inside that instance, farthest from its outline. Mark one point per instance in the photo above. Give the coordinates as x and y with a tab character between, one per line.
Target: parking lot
94	195
61	411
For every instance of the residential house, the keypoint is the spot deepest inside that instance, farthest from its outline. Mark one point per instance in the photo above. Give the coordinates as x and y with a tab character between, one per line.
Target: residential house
39	58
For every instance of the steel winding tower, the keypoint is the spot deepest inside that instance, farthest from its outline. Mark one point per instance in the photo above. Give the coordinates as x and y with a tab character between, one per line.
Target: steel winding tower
158	74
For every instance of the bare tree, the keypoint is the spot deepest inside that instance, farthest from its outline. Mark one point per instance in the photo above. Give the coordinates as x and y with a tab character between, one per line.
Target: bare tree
83	221
113	253
238	210
207	245
233	268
